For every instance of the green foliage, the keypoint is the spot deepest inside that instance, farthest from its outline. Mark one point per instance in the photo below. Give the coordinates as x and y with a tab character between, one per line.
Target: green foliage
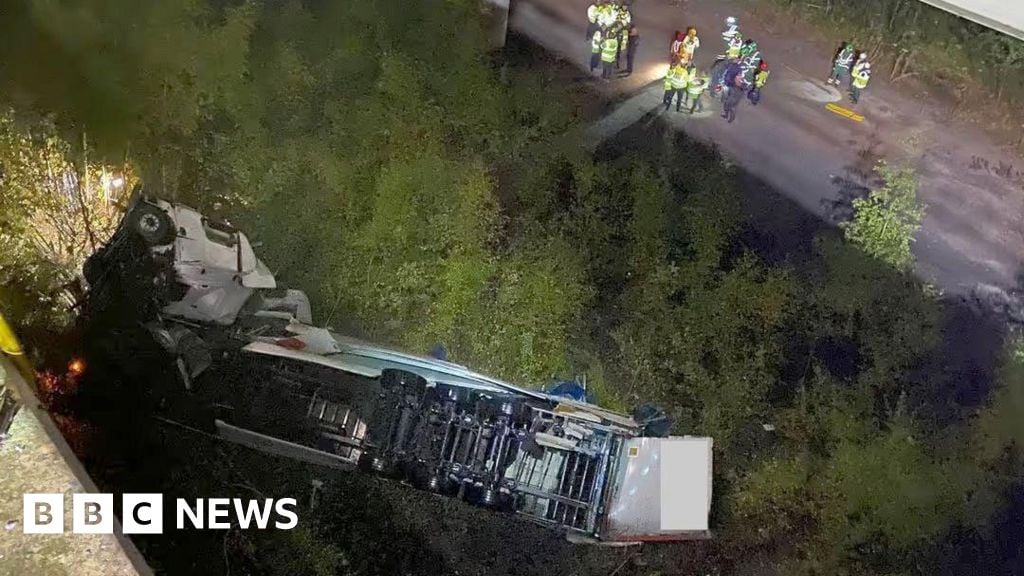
887	317
885	222
54	211
943	46
855	501
418	200
693	334
356	148
999	427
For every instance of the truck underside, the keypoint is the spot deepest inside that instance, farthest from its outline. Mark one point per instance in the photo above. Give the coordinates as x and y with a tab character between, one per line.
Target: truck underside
502	451
252	367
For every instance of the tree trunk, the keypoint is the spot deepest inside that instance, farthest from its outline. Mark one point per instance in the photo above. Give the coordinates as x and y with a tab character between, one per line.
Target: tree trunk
83	182
897	7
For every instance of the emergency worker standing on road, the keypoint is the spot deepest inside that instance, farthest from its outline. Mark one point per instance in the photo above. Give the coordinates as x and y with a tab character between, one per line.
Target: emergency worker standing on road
609	50
733	98
695	89
631	48
690	44
670	91
749	57
675	51
841	63
760	79
692	82
595	50
861	77
623	22
734	47
592	13
675	84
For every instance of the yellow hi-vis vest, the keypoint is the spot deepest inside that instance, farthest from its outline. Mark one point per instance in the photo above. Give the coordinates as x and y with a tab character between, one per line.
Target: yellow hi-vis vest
679	78
669	76
735	45
860	81
609	48
696	85
761	78
595	43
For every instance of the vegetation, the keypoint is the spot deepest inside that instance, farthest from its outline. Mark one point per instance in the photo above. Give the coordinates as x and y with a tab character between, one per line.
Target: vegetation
924	41
884	223
54	211
418	199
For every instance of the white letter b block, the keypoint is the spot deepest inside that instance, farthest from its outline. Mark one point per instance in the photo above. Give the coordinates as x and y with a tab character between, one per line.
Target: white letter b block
92	514
43	513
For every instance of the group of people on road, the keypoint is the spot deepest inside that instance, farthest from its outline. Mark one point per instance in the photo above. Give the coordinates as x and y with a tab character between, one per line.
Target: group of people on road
611	34
739	72
685	85
683	82
852	66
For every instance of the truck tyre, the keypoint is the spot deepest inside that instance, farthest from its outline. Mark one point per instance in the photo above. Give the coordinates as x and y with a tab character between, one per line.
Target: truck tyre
152	224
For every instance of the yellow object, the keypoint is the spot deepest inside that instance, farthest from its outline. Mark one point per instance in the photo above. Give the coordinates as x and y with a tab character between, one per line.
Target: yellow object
761	78
845	112
676	78
609	48
11	346
9	343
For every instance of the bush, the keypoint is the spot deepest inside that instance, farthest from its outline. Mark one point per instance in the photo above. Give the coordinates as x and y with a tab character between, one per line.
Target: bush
885	222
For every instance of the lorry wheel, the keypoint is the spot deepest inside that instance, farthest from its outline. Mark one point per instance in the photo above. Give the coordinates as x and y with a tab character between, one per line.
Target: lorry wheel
152	224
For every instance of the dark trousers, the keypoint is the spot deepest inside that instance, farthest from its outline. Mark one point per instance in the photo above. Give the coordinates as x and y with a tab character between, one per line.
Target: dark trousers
854	94
609	68
732	101
839	73
630	56
667	99
678	95
595	60
696	103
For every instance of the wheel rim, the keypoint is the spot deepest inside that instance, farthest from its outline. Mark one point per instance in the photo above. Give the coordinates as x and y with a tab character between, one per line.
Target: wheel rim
149	224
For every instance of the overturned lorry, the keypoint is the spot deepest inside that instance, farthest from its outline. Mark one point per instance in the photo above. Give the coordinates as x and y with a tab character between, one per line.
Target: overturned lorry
266	377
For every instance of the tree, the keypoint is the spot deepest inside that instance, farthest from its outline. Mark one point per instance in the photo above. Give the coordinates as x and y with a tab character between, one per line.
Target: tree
1005	54
54	212
884	223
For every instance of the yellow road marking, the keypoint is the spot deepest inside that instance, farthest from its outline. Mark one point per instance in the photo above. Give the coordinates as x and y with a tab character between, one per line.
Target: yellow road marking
845	112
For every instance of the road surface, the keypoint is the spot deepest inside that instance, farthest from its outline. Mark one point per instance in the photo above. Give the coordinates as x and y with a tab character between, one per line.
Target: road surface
973	233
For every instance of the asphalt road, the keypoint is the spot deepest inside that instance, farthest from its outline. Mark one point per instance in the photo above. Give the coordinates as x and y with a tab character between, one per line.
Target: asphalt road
973	233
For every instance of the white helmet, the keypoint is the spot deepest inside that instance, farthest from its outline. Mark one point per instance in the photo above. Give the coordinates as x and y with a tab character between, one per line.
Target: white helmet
730	21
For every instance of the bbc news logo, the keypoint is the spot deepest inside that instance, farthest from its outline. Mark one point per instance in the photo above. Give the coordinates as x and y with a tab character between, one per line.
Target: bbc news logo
144	513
